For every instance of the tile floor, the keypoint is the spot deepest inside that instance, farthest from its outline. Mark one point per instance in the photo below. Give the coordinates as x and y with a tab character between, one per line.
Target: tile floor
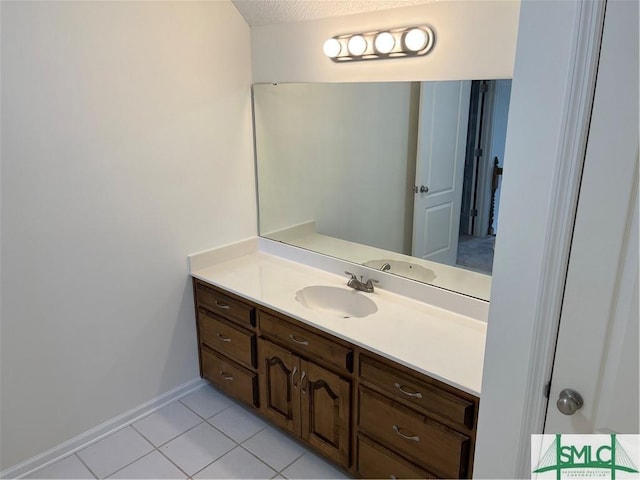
201	435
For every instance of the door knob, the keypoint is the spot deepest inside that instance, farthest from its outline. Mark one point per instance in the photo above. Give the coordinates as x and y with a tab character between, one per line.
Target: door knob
569	402
421	189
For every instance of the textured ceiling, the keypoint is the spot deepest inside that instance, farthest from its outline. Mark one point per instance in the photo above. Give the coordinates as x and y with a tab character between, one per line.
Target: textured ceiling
269	12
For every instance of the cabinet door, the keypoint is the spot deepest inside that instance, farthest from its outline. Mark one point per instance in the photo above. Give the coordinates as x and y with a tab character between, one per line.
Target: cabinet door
325	418
279	373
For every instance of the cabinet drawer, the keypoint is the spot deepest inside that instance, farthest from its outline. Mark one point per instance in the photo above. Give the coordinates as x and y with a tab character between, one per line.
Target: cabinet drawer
375	461
223	305
302	340
224	337
438	448
230	377
418	392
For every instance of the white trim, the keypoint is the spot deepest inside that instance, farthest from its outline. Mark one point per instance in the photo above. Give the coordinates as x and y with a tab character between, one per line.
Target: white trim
565	190
81	441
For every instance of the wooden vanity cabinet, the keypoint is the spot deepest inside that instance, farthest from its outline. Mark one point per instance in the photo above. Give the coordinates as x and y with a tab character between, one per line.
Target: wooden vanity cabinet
413	422
306	399
227	342
373	417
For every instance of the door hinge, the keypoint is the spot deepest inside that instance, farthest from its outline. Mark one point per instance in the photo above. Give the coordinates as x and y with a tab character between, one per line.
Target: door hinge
477	152
547	389
473	213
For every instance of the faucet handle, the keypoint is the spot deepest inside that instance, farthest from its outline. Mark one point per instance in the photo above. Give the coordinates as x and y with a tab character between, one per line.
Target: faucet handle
353	277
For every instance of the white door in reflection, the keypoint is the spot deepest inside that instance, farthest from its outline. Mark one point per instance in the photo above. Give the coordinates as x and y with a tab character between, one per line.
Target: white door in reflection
442	136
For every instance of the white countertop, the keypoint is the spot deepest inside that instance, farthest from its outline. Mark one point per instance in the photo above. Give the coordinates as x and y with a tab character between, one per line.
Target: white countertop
442	344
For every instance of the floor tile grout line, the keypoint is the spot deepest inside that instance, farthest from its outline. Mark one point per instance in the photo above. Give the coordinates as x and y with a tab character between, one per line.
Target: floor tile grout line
257	457
174	463
130	463
297	458
237	444
204	418
162	445
228	436
214	461
172	438
133	461
83	463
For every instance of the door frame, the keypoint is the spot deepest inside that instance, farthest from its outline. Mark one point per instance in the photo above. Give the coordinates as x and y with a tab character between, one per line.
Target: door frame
525	340
604	218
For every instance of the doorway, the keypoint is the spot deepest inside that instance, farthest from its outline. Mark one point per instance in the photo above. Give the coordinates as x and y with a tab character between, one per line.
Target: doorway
483	169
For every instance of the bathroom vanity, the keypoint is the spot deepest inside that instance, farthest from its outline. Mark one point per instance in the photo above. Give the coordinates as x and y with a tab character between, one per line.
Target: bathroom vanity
389	392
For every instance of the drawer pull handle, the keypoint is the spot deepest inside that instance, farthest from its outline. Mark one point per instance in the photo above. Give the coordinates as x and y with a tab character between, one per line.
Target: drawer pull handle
222	338
303	386
222	305
226	376
393	477
415	438
297	340
410	394
293	377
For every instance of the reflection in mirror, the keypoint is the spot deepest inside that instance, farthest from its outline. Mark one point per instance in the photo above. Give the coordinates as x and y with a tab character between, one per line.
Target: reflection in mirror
399	177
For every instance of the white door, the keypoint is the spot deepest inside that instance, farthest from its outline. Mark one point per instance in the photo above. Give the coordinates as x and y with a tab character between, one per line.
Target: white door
442	137
597	347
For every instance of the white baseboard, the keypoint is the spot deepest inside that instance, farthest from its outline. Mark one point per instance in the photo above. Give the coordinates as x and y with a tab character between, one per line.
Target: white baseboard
81	441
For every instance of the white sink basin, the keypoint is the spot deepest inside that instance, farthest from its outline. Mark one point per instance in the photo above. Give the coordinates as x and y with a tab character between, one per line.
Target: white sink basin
340	302
406	269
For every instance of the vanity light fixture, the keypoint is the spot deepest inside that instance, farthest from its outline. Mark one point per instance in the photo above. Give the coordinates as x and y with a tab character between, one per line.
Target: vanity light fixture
415	39
332	48
384	43
388	43
357	45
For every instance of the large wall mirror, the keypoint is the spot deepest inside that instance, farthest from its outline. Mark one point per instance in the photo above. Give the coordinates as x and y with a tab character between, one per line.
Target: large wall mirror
399	177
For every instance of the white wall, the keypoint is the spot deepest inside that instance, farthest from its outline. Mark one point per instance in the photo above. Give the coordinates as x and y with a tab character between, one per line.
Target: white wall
126	145
474	40
341	154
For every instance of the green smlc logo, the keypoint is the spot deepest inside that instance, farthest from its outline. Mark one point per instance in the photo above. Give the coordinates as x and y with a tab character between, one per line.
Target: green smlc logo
610	456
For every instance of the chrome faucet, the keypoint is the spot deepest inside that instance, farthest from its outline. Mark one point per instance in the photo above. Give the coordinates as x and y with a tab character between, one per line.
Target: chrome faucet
385	267
360	284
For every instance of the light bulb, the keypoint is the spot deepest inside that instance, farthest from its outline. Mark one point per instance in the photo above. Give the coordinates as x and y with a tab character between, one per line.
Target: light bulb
384	42
332	48
415	39
357	45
